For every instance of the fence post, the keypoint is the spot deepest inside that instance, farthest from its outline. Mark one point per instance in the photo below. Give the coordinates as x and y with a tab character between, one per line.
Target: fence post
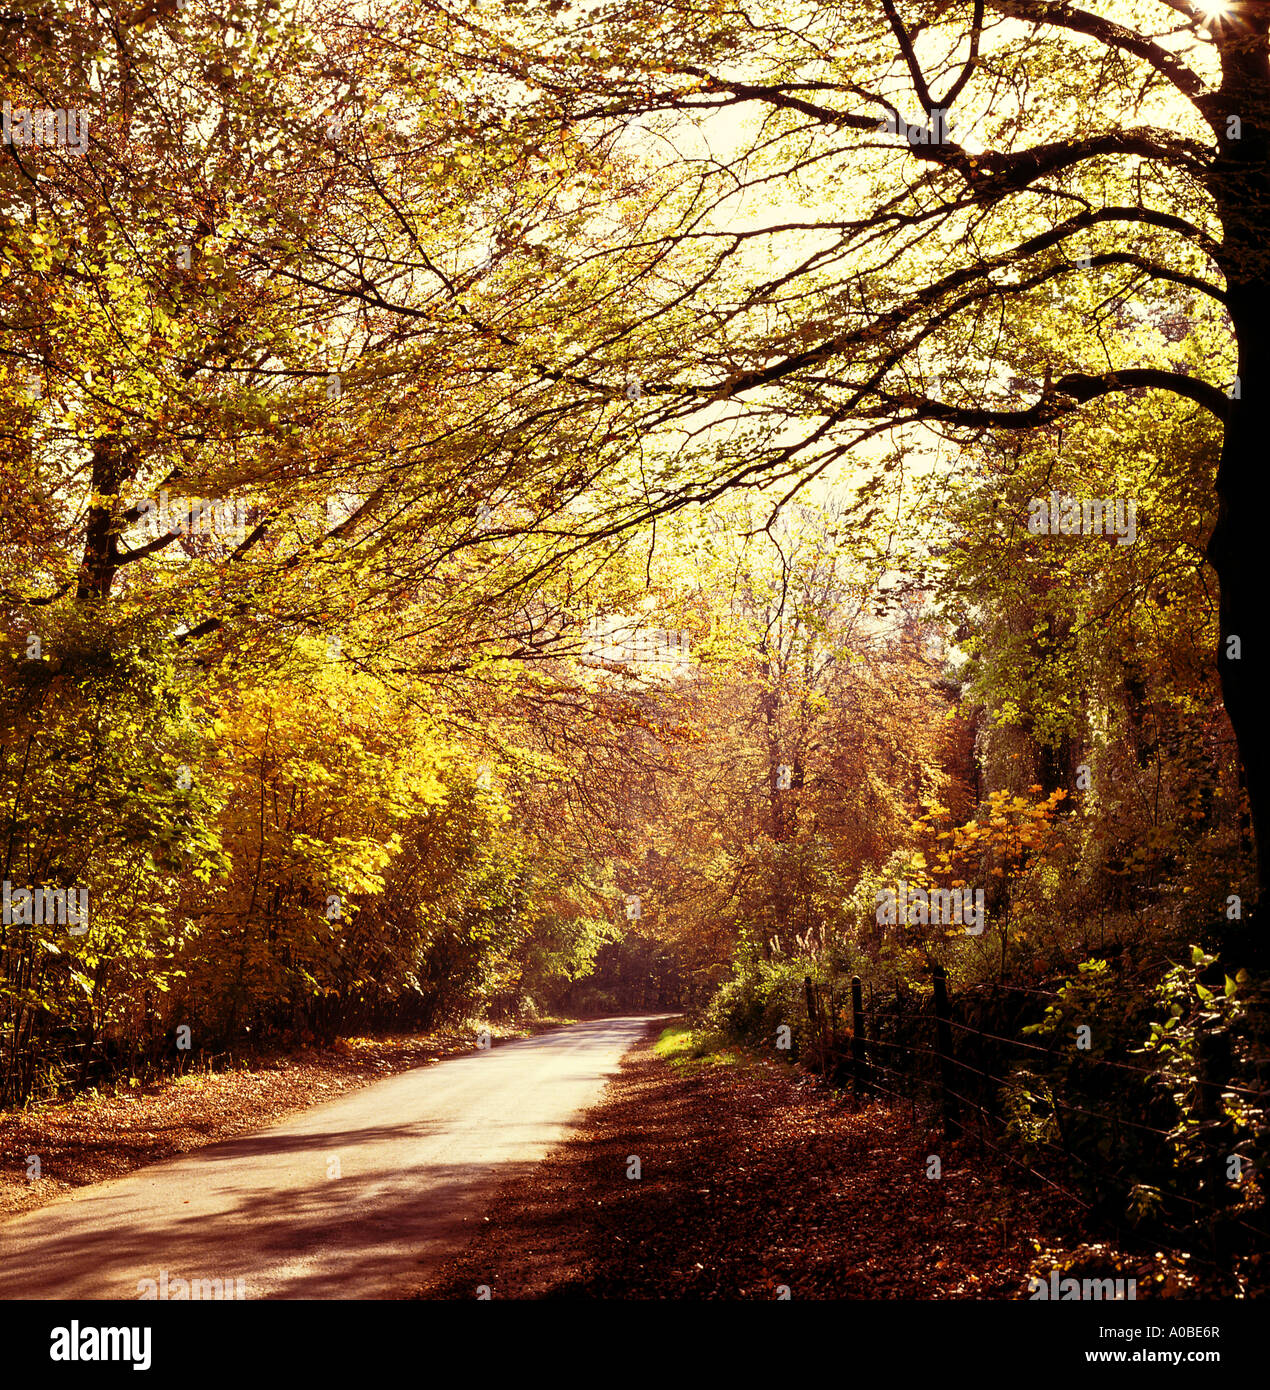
943	1043
812	1020
859	1065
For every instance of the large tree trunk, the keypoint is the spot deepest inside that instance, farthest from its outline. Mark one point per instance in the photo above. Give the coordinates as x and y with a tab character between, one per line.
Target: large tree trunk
101	544
1240	182
1236	552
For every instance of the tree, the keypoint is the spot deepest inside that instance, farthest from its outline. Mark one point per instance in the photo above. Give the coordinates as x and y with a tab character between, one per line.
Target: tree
959	189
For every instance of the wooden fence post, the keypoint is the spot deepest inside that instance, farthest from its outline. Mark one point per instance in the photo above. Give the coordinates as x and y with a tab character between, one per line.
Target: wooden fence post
859	1064
943	1043
812	1018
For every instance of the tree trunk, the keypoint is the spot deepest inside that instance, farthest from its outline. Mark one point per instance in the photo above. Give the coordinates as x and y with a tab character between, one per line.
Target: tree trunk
101	553
1240	183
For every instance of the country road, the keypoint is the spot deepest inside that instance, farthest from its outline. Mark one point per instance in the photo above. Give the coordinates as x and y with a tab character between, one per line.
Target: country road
357	1198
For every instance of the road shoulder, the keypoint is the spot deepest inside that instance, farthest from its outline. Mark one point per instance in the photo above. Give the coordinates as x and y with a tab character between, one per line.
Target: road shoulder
752	1179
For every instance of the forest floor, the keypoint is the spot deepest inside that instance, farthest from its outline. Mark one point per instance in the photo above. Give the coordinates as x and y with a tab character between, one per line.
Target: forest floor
754	1176
99	1136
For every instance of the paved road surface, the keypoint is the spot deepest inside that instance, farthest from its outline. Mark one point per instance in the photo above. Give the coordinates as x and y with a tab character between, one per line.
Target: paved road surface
416	1153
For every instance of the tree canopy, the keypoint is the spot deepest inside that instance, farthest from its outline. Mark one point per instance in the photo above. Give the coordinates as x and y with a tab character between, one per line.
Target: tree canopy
547	506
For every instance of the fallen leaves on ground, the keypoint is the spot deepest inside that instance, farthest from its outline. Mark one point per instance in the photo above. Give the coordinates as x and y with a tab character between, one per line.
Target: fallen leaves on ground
753	1177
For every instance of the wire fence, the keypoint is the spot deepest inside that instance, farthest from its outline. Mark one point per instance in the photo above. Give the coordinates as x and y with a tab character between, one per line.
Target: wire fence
1025	1101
